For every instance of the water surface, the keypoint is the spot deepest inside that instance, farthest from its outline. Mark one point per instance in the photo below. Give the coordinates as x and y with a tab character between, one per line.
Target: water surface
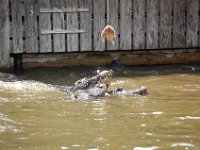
35	112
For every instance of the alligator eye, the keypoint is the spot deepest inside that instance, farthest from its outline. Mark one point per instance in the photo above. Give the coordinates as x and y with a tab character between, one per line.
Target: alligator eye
119	89
100	86
79	82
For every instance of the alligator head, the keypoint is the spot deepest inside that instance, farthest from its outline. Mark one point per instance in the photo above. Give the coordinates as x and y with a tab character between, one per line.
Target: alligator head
92	91
95	86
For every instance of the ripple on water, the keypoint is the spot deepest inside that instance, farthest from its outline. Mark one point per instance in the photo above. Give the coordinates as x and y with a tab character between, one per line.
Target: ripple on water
8	128
8	124
151	113
182	145
76	145
189	117
146	148
4	118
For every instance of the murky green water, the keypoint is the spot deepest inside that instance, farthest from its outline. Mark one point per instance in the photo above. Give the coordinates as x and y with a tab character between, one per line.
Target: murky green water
36	114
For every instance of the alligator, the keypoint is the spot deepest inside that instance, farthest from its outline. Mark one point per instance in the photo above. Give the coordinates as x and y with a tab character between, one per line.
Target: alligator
97	86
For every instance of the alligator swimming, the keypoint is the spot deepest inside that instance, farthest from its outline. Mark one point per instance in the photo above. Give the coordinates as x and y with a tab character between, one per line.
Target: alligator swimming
97	86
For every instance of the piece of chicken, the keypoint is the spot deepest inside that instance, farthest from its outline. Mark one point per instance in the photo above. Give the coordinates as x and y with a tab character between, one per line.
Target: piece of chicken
108	33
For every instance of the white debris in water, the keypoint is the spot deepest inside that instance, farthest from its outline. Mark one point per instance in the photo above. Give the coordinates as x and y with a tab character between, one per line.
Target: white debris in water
182	144
23	138
76	145
153	113
119	82
93	149
188	117
63	147
149	133
143	113
157	113
146	148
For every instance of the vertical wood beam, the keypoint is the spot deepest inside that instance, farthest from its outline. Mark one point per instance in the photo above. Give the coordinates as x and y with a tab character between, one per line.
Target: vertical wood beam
4	32
99	23
152	24
45	24
86	24
31	26
125	24
139	24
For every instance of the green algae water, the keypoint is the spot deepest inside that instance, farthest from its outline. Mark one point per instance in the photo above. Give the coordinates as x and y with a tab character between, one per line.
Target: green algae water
36	113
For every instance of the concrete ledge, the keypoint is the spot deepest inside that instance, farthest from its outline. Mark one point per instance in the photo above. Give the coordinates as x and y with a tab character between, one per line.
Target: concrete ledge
105	58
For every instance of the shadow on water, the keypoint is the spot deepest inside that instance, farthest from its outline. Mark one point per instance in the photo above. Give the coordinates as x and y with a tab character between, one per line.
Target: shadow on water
68	75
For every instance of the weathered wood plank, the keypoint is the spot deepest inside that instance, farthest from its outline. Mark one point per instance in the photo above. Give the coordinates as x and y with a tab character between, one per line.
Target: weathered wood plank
138	24
58	31
4	32
152	24
72	23
58	24
113	21
166	7
192	23
45	24
125	25
31	26
99	23
64	10
86	24
17	27
179	24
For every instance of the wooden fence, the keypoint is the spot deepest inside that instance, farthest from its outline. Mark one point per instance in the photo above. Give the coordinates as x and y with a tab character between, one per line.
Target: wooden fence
55	26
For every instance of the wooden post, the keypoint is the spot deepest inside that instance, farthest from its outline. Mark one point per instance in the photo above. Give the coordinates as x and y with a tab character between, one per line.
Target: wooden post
17	62
17	25
4	34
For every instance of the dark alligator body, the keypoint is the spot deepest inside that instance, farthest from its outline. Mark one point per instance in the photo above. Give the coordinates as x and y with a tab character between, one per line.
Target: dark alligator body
100	90
138	91
92	91
97	86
